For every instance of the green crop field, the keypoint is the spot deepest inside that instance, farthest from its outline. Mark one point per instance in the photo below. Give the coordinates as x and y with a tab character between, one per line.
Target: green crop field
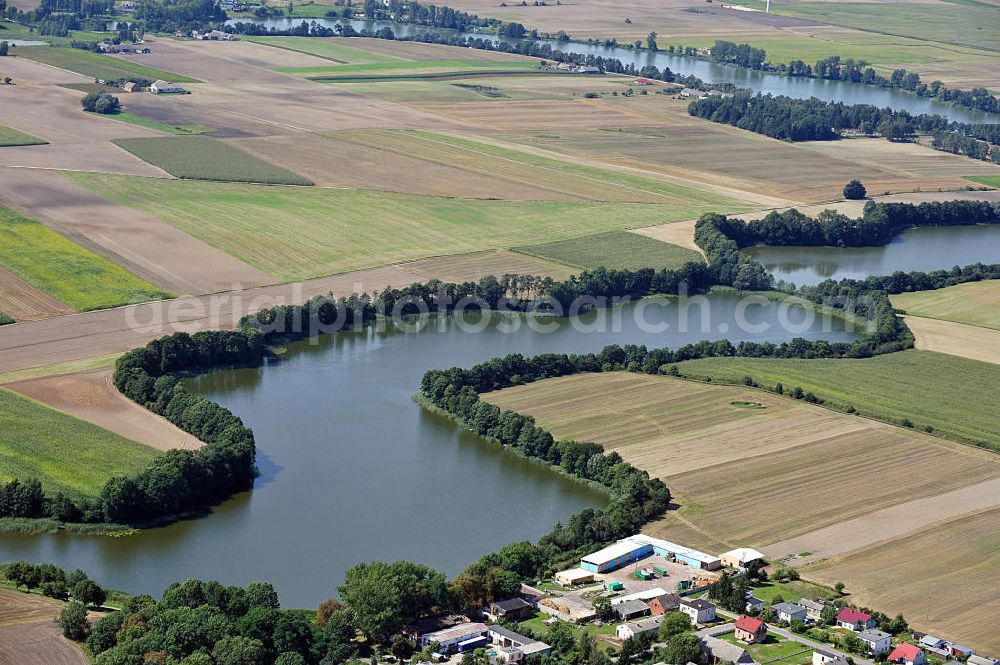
96	65
63	269
614	249
323	48
202	158
956	396
295	233
5	319
974	303
10	137
133	119
66	454
971	25
988	180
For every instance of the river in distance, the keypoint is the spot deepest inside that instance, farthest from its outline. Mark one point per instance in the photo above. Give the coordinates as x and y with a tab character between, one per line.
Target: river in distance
352	469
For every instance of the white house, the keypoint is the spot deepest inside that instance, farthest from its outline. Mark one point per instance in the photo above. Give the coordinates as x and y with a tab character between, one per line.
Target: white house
628	630
877	641
789	612
699	610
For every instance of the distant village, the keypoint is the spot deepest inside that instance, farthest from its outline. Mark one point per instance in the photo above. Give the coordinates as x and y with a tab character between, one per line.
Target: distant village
645	579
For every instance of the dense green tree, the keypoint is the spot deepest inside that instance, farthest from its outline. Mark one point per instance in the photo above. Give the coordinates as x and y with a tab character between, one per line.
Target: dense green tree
855	190
88	592
239	650
73	621
387	596
674	623
683	648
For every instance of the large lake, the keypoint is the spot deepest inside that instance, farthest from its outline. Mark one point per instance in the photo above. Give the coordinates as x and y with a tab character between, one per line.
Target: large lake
711	72
928	248
354	470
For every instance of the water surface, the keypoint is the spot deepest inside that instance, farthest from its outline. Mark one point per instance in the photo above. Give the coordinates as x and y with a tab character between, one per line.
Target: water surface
354	470
928	248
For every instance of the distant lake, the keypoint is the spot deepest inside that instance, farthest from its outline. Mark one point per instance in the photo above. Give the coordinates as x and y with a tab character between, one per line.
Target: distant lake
928	248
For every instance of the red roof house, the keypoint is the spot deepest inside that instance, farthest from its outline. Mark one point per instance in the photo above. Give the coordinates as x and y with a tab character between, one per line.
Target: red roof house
907	654
856	620
750	630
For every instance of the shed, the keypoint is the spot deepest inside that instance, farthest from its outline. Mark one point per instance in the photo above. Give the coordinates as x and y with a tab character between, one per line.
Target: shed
740	557
631	609
574	576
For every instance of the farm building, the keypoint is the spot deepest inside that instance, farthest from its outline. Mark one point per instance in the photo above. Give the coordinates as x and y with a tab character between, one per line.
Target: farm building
615	556
574	576
721	651
665	603
163	88
463	637
907	654
814	608
750	630
644	595
694	94
216	36
699	610
629	630
568	608
566	66
740	557
513	609
855	620
876	640
956	650
631	609
637	547
789	612
531	594
588	69
131	86
982	660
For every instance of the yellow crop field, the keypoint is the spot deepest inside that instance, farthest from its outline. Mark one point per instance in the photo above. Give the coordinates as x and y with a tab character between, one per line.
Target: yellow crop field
974	303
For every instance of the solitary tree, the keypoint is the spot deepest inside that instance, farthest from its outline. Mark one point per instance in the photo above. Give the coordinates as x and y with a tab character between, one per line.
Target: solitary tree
854	190
651	42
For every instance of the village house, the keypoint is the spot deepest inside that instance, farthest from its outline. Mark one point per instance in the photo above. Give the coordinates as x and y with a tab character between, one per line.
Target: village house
699	610
907	654
668	602
513	609
517	646
789	612
855	620
630	630
820	658
814	608
933	644
754	604
418	629
741	557
877	641
750	630
164	88
630	609
721	651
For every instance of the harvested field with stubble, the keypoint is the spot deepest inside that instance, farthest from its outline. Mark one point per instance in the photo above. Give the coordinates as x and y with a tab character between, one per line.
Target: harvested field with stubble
29	634
202	158
293	233
954	562
957	339
972	303
615	250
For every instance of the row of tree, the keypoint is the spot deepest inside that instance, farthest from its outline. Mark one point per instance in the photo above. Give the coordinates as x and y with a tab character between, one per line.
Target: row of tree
814	119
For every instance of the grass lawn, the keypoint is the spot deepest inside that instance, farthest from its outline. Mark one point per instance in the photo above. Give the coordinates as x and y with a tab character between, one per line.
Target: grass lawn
133	119
202	158
988	180
63	269
615	249
295	232
324	48
956	396
791	591
974	303
96	65
10	136
774	649
66	454
538	627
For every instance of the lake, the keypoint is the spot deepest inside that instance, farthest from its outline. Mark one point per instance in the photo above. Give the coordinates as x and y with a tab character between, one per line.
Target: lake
928	248
710	72
353	470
